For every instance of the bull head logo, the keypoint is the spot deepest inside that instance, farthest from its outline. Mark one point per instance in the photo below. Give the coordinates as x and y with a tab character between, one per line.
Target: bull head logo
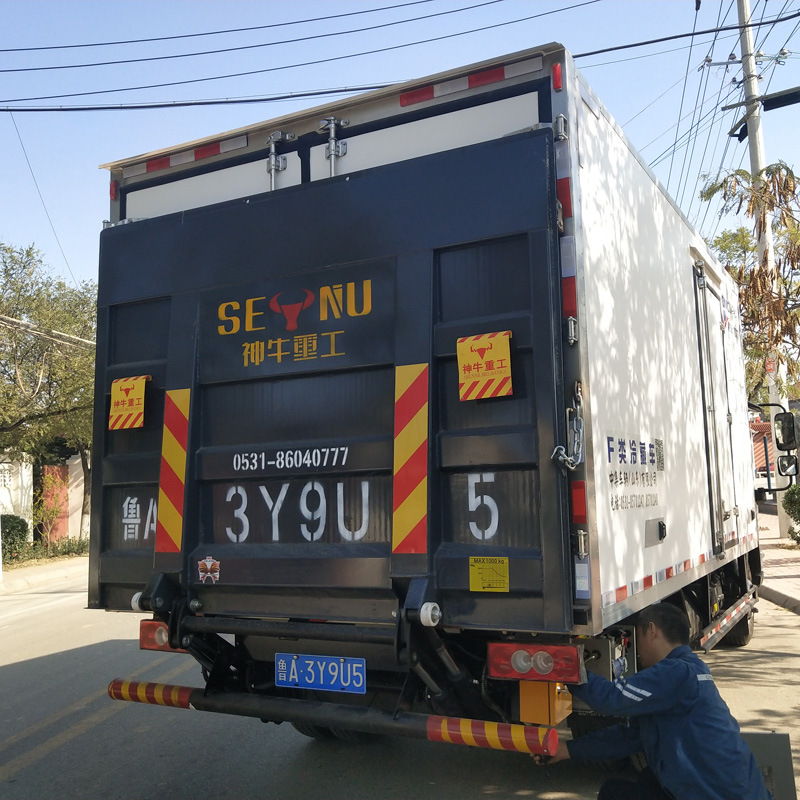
291	311
481	351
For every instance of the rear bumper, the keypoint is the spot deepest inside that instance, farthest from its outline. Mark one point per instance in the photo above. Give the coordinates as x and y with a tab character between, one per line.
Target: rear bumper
453	730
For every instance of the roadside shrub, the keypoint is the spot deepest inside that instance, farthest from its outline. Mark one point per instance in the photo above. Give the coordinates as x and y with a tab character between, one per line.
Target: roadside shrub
14	533
791	504
68	547
17	548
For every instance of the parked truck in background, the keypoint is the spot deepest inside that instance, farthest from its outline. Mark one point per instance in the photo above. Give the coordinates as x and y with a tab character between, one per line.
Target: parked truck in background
407	404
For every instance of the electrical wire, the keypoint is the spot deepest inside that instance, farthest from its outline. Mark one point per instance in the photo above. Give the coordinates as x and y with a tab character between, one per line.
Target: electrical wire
41	198
191	103
240	48
688	156
683	95
304	63
673	38
213	33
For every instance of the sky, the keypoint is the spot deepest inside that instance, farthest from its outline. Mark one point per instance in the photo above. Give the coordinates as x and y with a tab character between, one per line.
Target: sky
53	196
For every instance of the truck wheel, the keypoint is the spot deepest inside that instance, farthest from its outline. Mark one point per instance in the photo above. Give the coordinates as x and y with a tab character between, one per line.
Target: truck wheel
741	633
313	731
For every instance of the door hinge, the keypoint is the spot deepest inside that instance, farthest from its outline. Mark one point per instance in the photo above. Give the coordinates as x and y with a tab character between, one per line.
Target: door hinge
581	543
572	330
276	163
335	148
560	128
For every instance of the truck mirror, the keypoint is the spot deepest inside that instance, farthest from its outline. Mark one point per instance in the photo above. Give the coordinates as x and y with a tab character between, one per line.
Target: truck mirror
785	435
787	465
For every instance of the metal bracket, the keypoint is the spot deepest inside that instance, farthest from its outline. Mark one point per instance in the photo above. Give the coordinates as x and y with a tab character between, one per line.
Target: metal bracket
581	544
572	330
561	128
276	163
574	458
335	148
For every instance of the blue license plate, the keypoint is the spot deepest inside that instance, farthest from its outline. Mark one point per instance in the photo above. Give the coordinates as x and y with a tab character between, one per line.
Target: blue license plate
327	673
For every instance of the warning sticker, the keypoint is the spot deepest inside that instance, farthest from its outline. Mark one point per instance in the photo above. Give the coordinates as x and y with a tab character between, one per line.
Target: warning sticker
488	574
127	403
484	366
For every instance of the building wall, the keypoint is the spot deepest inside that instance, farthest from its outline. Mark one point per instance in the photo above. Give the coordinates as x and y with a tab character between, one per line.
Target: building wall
16	488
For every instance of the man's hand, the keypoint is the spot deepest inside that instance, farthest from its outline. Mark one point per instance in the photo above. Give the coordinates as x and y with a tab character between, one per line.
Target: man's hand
561	754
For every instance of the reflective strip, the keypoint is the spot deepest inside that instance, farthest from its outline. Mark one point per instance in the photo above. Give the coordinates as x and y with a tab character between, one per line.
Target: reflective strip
642	692
628	694
169	525
473	81
494	735
185	156
410	469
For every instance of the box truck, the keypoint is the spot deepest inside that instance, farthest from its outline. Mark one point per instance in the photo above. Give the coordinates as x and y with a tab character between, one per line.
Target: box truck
406	405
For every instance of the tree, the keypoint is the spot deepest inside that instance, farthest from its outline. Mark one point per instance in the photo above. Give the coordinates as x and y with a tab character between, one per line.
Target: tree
48	504
769	298
46	377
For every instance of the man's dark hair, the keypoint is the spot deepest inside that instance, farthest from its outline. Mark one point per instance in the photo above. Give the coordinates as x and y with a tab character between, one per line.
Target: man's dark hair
669	619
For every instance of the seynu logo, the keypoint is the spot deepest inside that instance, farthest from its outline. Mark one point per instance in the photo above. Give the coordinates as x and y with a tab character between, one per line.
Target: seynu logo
337	317
291	310
335	301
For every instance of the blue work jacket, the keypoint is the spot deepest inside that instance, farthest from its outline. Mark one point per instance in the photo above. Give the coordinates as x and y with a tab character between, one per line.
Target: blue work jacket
678	718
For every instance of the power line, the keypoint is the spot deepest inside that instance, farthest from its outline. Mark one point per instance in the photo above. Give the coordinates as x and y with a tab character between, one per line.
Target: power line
683	95
239	48
41	198
192	103
304	63
774	21
212	33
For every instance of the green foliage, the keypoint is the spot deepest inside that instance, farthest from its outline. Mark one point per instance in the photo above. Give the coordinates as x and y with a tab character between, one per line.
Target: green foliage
46	380
791	504
769	294
48	503
14	533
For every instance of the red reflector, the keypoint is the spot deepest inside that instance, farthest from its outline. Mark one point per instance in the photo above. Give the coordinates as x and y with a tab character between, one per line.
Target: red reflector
112	189
416	96
558	83
536	662
157	164
578	489
564	194
569	298
154	635
487	76
206	150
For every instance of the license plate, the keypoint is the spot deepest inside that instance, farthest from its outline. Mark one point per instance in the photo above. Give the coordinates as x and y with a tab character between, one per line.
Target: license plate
327	673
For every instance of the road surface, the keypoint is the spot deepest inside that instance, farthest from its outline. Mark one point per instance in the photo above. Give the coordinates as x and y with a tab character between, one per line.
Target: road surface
61	737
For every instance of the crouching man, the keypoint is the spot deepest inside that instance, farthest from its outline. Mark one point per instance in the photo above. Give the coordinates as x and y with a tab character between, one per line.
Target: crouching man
677	717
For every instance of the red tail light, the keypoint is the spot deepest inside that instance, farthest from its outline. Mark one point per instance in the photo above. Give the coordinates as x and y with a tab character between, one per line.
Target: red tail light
537	662
154	635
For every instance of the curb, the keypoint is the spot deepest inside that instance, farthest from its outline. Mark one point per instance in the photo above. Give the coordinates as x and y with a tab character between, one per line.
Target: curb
30	577
779	599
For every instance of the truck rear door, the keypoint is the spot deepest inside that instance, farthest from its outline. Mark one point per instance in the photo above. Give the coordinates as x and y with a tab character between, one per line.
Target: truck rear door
305	451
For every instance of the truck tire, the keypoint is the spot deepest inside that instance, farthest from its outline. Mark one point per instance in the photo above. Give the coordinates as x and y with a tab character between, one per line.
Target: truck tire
741	633
313	731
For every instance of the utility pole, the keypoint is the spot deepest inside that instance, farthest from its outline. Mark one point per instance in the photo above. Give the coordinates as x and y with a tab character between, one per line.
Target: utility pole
766	250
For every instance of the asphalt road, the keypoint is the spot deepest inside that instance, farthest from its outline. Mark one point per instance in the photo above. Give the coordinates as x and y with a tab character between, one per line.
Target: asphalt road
61	737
